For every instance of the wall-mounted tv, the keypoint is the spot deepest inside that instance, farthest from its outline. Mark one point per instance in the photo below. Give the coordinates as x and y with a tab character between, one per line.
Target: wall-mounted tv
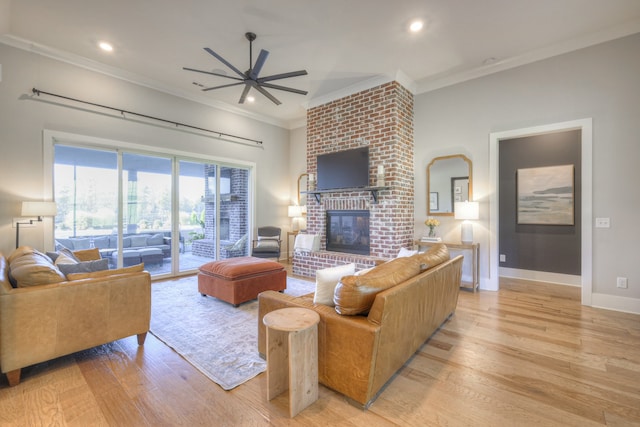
343	169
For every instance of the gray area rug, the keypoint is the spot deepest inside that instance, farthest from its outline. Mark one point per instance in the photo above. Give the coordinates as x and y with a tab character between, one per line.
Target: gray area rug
218	339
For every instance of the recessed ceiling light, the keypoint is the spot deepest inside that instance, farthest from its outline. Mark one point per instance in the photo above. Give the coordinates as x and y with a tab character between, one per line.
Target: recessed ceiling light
250	99
416	26
107	47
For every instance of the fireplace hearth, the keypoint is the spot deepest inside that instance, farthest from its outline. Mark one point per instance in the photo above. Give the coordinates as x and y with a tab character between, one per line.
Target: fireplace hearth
348	231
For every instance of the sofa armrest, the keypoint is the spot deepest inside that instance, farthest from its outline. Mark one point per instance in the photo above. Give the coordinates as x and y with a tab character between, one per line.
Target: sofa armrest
347	345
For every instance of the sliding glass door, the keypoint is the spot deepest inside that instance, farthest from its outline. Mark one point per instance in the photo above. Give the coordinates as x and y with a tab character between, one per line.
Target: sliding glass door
145	219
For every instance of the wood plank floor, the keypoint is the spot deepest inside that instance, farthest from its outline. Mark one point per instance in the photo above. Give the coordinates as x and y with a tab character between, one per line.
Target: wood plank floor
529	354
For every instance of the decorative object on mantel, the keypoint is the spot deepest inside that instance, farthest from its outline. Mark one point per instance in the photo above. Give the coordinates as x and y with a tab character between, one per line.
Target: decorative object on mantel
432	223
311	182
380	180
466	211
37	209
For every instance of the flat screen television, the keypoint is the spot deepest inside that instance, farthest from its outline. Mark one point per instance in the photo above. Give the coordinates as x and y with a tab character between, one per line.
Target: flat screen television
343	169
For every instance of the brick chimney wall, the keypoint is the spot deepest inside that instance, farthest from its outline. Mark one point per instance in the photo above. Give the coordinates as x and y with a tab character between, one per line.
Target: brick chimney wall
382	118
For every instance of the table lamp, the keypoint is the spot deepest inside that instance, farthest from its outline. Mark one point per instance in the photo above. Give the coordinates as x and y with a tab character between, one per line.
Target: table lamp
466	211
295	212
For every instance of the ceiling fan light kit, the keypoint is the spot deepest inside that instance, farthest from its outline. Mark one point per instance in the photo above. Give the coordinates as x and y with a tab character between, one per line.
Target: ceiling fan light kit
250	78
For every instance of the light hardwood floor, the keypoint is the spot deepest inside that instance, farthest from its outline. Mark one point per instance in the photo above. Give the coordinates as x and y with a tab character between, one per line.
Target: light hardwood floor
529	354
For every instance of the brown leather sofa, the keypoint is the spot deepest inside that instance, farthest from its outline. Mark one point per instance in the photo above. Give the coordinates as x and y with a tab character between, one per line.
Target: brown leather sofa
358	354
42	321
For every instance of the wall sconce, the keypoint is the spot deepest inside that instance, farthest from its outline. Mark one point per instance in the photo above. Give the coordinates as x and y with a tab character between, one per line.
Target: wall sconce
37	209
466	211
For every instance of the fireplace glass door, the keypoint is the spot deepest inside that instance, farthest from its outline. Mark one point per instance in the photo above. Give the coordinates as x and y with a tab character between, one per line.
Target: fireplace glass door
348	231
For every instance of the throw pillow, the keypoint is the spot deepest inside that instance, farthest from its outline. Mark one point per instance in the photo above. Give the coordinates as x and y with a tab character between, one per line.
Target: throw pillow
437	254
155	240
267	242
84	267
64	258
355	294
102	273
404	252
33	269
87	254
326	281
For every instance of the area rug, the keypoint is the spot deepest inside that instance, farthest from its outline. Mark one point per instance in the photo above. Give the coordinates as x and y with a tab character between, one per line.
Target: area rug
218	339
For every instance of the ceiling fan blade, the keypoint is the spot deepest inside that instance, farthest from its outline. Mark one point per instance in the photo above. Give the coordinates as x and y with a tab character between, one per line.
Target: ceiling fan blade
245	92
224	61
222	86
268	95
212	73
287	89
259	63
283	76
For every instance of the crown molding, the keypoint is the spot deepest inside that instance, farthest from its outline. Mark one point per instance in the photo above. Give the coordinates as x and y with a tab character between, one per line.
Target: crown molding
433	83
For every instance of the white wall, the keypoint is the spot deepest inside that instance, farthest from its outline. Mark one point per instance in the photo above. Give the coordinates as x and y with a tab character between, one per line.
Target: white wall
601	82
22	122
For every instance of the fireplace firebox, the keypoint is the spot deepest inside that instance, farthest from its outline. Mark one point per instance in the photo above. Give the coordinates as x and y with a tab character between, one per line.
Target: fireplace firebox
348	231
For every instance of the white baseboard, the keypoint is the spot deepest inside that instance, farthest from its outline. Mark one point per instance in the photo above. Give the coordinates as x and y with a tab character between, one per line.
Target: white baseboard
614	302
541	276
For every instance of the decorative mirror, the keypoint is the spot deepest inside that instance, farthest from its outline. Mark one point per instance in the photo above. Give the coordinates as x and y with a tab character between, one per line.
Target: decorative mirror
449	180
302	186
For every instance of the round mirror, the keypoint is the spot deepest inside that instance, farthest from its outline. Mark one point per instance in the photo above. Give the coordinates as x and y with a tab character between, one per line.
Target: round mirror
449	180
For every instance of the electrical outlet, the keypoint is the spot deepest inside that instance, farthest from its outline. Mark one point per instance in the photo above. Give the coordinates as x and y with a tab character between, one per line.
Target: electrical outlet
603	223
621	282
503	258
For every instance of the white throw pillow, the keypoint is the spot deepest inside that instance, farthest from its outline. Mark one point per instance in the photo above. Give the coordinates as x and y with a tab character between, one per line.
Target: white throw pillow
326	281
404	252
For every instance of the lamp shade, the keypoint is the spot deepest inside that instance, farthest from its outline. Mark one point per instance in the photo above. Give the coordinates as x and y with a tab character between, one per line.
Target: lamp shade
295	211
39	209
467	210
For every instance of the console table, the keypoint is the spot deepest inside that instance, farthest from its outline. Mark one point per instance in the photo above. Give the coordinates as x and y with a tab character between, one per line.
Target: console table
473	258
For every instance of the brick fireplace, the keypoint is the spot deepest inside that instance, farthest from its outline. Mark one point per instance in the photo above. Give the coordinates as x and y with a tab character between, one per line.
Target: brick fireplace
382	118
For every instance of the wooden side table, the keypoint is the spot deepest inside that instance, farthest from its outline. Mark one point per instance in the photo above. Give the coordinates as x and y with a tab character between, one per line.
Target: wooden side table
474	248
292	356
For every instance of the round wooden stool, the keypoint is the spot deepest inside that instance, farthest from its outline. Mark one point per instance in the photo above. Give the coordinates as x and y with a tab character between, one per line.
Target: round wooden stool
292	356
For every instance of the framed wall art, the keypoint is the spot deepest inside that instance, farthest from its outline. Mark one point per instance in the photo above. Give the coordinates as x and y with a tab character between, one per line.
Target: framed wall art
545	195
433	201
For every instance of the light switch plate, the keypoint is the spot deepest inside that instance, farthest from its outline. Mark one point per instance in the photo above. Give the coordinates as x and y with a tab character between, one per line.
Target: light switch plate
603	223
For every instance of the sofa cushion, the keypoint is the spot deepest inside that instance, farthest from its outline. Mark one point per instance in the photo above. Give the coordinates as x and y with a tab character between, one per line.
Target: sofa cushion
139	241
326	281
34	269
87	254
84	267
81	243
101	242
102	273
436	255
355	294
126	242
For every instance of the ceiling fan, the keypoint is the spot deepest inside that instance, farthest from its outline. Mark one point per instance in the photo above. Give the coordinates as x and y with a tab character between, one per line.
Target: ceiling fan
250	77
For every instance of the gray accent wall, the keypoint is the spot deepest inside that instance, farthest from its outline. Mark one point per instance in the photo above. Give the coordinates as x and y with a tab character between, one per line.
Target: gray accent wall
550	248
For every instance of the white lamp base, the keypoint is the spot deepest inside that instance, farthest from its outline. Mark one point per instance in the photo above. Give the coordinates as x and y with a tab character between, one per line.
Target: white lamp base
466	235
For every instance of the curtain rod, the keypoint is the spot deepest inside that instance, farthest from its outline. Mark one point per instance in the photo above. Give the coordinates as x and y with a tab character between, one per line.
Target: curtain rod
39	92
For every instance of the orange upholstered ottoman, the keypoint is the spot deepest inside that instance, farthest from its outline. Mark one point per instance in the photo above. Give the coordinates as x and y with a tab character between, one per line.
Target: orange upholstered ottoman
237	280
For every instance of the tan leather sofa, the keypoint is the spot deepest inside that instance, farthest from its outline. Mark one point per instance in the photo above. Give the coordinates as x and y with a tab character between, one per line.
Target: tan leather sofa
45	321
357	355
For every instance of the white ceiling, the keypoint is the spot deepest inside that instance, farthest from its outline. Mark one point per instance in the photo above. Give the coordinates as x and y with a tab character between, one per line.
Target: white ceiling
345	45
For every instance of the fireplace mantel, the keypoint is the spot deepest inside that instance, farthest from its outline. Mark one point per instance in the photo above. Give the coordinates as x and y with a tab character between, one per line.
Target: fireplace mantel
373	190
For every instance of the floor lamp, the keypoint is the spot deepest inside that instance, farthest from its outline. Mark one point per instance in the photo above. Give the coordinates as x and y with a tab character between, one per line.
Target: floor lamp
37	209
466	211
